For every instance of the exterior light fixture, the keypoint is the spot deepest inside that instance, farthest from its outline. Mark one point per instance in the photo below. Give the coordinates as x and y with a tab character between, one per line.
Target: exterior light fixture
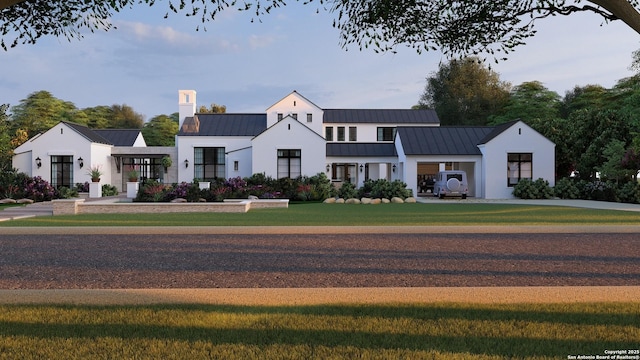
361	167
80	162
38	162
328	167
393	168
186	163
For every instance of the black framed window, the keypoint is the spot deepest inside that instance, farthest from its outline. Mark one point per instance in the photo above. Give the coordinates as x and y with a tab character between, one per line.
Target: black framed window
519	166
289	163
209	163
61	171
386	133
340	133
328	133
353	133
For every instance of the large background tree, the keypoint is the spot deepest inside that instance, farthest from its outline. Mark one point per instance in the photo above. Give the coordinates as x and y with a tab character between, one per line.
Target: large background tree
161	130
40	111
464	92
527	101
462	27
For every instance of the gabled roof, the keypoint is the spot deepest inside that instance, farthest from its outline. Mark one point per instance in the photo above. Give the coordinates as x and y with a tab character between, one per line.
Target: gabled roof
119	137
361	149
228	125
87	133
446	140
497	131
287	120
297	94
381	116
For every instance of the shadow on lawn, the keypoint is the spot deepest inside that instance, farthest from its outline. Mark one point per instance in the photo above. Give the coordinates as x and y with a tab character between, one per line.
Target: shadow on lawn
526	320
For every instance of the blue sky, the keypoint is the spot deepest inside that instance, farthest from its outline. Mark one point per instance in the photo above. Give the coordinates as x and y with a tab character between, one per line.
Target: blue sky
248	66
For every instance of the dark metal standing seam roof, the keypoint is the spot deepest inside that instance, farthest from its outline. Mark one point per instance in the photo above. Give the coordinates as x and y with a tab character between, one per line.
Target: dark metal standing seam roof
381	116
442	140
361	149
91	135
119	137
229	125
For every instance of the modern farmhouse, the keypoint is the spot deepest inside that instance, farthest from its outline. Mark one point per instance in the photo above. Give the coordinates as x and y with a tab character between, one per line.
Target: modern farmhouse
296	137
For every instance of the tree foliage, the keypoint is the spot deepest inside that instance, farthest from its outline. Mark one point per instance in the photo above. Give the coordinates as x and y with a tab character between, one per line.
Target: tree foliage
124	117
528	101
40	111
160	131
6	150
464	92
456	28
213	109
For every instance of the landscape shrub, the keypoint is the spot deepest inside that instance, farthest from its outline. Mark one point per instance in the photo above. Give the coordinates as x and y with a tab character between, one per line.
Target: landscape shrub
38	189
567	188
629	192
109	190
66	193
382	188
347	191
82	187
528	189
151	191
188	191
599	190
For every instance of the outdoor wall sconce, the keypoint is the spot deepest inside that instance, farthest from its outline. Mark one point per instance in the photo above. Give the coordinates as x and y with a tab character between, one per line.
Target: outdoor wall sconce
186	163
361	167
38	162
80	162
393	168
328	167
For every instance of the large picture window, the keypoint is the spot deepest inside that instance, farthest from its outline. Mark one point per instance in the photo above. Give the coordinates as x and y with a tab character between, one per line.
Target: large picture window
209	163
289	163
61	171
519	166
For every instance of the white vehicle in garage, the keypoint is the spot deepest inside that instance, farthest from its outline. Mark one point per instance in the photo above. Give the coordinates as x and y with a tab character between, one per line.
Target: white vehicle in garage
451	183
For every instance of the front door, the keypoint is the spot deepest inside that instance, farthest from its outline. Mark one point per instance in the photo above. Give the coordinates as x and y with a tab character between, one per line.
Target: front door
61	171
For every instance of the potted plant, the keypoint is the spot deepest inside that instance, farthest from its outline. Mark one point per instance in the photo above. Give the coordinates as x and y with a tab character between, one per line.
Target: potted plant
95	173
133	175
166	162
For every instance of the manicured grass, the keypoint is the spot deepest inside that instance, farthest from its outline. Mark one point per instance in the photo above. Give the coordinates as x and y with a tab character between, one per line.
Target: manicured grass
433	331
306	214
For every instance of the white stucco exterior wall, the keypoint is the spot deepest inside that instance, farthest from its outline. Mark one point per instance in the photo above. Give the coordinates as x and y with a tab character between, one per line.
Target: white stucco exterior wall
519	138
61	140
288	134
295	103
237	148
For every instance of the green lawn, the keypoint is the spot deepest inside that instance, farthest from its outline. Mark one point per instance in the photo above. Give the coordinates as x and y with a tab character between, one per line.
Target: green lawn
344	215
432	331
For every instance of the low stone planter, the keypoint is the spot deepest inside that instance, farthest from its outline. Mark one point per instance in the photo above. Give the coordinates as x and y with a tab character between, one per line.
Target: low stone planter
79	206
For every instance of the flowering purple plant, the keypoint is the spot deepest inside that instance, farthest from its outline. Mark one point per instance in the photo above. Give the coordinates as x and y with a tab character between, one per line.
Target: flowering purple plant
39	189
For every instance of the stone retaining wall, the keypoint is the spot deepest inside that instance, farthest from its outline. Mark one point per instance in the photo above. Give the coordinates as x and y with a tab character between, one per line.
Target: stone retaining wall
79	206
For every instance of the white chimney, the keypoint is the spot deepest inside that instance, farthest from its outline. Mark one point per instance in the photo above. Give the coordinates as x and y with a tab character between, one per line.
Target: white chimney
186	105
